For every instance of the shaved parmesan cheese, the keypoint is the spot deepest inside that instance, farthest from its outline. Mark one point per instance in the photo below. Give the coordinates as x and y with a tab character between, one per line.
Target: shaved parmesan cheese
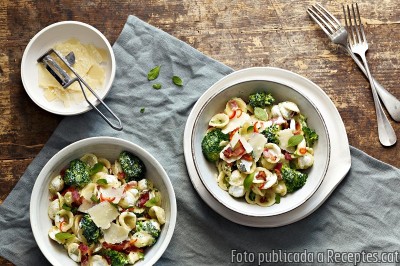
103	214
115	234
85	206
246	145
257	142
235	139
88	63
284	136
235	123
88	191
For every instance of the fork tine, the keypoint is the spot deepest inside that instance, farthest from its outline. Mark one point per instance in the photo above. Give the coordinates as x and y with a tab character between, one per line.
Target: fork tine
329	16
349	25
364	39
325	19
349	37
356	24
317	18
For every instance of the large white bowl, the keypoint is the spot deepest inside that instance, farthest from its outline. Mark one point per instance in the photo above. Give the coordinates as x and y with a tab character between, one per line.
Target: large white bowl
46	39
241	84
107	147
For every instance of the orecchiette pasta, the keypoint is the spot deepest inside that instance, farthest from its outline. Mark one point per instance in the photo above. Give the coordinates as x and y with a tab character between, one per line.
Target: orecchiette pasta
74	252
108	212
157	212
64	220
262	146
127	220
56	184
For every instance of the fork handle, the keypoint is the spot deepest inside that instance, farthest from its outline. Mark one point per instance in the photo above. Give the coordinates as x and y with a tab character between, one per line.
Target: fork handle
391	103
386	133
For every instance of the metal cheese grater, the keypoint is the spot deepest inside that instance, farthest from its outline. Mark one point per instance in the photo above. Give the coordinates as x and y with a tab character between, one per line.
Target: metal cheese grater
59	73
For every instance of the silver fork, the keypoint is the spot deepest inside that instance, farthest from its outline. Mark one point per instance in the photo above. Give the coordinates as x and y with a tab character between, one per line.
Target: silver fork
359	45
338	35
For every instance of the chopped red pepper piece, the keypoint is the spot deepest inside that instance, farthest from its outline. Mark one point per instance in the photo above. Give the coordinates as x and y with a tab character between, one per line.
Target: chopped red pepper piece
303	150
106	199
233	114
255	127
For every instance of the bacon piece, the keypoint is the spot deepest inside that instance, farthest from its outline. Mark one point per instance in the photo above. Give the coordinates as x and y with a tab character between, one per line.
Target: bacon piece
237	151
233	104
143	199
247	157
261	175
85	254
288	156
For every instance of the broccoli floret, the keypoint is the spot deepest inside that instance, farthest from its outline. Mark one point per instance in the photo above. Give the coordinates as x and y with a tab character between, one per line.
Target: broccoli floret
77	174
211	144
293	178
150	226
271	133
261	99
115	257
89	229
132	166
310	136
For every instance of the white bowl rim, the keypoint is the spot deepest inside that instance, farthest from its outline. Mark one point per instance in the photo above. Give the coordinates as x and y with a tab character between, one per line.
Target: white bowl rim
220	87
88	141
107	86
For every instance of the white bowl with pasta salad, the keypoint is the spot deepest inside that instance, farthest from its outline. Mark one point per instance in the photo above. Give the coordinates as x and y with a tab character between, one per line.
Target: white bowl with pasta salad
103	201
260	147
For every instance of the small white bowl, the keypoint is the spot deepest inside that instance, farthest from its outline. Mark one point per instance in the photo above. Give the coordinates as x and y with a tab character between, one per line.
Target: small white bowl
46	39
241	84
107	147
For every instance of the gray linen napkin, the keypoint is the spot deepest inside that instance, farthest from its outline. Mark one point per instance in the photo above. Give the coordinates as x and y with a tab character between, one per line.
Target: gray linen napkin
360	216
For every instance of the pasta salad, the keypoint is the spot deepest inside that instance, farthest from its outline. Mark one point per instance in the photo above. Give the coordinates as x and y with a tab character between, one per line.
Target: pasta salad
105	213
260	148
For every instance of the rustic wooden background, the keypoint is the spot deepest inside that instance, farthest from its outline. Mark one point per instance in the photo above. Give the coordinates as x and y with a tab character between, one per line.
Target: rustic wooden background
241	33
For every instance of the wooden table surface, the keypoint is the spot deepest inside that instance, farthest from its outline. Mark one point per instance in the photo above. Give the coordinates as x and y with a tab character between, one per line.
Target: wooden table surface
241	34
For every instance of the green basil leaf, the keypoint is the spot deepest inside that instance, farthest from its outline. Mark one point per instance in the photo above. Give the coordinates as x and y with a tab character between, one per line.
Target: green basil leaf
248	181
153	74
157	86
294	140
102	182
96	168
250	129
260	113
66	207
63	236
94	199
177	81
153	201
